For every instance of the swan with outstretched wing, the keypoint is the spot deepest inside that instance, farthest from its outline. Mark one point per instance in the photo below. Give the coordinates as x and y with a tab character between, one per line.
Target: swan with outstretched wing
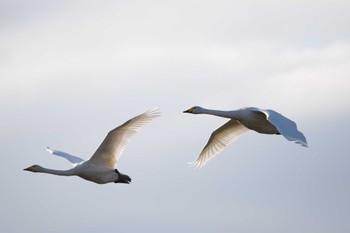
101	167
263	121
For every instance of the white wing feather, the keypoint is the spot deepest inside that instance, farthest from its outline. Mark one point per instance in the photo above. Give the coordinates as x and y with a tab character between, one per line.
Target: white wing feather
219	139
117	139
286	127
71	158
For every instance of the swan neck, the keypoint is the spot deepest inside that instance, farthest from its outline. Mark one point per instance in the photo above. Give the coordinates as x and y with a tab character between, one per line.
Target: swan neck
57	172
220	113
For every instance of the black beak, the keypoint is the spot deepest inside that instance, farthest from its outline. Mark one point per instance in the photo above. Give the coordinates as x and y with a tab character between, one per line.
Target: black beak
187	111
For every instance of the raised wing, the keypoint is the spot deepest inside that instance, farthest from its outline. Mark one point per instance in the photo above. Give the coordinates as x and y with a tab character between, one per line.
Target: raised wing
286	127
117	139
71	158
218	140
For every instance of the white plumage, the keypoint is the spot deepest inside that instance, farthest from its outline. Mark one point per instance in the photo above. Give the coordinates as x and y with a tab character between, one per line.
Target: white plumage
100	168
264	121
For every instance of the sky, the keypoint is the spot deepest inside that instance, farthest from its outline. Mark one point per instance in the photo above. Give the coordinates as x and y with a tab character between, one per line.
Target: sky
71	71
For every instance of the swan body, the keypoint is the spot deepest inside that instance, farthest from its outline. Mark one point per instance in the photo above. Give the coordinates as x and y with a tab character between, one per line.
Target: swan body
263	121
100	168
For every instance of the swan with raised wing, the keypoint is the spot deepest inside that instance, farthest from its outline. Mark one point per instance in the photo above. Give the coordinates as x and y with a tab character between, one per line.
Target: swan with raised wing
263	121
101	167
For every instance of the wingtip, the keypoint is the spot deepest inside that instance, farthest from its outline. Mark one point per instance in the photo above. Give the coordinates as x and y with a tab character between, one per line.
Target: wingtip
49	150
155	111
194	165
302	143
155	108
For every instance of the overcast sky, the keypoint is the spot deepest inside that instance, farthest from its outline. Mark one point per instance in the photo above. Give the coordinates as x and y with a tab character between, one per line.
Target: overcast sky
72	70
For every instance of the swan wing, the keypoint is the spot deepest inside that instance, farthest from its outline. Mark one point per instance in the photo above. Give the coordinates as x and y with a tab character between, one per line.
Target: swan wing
117	139
71	158
219	139
286	127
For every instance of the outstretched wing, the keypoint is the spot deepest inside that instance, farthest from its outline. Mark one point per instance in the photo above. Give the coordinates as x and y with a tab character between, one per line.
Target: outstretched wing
218	140
117	139
286	127
71	158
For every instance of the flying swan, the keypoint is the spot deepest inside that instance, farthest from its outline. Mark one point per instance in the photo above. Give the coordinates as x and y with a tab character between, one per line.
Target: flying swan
100	168
264	121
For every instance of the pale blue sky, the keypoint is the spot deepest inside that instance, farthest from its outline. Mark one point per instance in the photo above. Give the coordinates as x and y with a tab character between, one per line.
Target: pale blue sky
73	70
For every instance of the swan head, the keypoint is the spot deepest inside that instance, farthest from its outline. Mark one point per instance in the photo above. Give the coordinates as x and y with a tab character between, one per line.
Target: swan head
122	178
194	110
34	168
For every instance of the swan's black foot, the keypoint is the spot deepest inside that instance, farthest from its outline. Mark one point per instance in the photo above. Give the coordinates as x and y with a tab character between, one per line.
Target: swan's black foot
122	178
